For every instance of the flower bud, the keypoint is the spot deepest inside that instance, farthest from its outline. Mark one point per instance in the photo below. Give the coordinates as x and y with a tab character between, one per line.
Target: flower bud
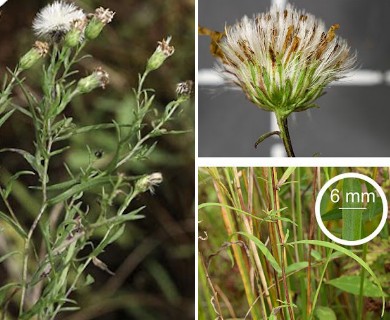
99	78
149	182
162	52
39	50
184	90
99	19
75	35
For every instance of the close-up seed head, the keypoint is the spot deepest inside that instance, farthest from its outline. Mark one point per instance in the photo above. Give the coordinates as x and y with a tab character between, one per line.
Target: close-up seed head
283	59
57	19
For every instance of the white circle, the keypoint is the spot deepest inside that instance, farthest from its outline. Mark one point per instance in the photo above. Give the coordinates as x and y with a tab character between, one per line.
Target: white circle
318	211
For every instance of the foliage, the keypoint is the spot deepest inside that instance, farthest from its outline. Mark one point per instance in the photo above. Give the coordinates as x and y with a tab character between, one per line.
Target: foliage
78	215
265	258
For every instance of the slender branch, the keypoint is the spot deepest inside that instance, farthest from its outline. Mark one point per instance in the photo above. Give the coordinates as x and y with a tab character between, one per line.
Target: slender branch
149	135
44	181
283	258
25	260
7	91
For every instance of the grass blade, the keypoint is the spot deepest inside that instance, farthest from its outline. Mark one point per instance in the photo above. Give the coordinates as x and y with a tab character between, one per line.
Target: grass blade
264	250
349	254
352	218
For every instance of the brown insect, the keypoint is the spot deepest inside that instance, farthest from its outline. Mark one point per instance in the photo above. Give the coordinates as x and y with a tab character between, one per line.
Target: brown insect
216	38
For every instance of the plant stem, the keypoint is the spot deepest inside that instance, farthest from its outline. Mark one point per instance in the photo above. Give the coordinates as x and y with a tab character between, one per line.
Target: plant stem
47	143
319	284
284	134
283	256
362	272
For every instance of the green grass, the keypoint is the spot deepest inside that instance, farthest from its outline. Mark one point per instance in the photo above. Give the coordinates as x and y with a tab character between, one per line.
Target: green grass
266	258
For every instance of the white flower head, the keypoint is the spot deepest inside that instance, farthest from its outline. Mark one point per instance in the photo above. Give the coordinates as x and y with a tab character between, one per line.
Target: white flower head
149	182
283	59
57	19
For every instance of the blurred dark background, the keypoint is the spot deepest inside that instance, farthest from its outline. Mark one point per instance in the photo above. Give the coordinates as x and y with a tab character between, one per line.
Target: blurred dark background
352	120
154	259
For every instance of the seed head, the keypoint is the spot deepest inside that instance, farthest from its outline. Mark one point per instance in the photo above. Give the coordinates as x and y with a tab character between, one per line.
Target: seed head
184	89
104	15
162	52
55	20
39	50
98	78
76	33
283	59
98	20
149	182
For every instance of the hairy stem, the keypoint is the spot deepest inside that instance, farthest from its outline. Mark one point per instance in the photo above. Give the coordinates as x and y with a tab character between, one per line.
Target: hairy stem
284	134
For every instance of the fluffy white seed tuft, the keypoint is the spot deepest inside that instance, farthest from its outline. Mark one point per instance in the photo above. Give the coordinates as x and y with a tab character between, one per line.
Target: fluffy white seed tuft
56	19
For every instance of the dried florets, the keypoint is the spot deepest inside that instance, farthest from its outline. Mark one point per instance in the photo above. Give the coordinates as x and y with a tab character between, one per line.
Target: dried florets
184	89
98	20
39	50
98	78
163	51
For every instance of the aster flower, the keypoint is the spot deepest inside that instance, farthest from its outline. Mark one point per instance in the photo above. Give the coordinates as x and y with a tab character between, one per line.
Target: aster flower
184	89
76	33
282	60
163	51
149	182
55	20
39	50
98	20
98	78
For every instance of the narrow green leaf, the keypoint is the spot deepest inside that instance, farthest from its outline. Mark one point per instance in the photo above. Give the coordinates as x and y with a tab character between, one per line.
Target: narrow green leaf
13	224
351	255
63	185
9	254
352	218
115	236
211	204
6	116
296	266
285	176
34	163
11	180
81	187
265	136
351	284
272	316
324	313
316	255
374	208
334	214
268	255
4	289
